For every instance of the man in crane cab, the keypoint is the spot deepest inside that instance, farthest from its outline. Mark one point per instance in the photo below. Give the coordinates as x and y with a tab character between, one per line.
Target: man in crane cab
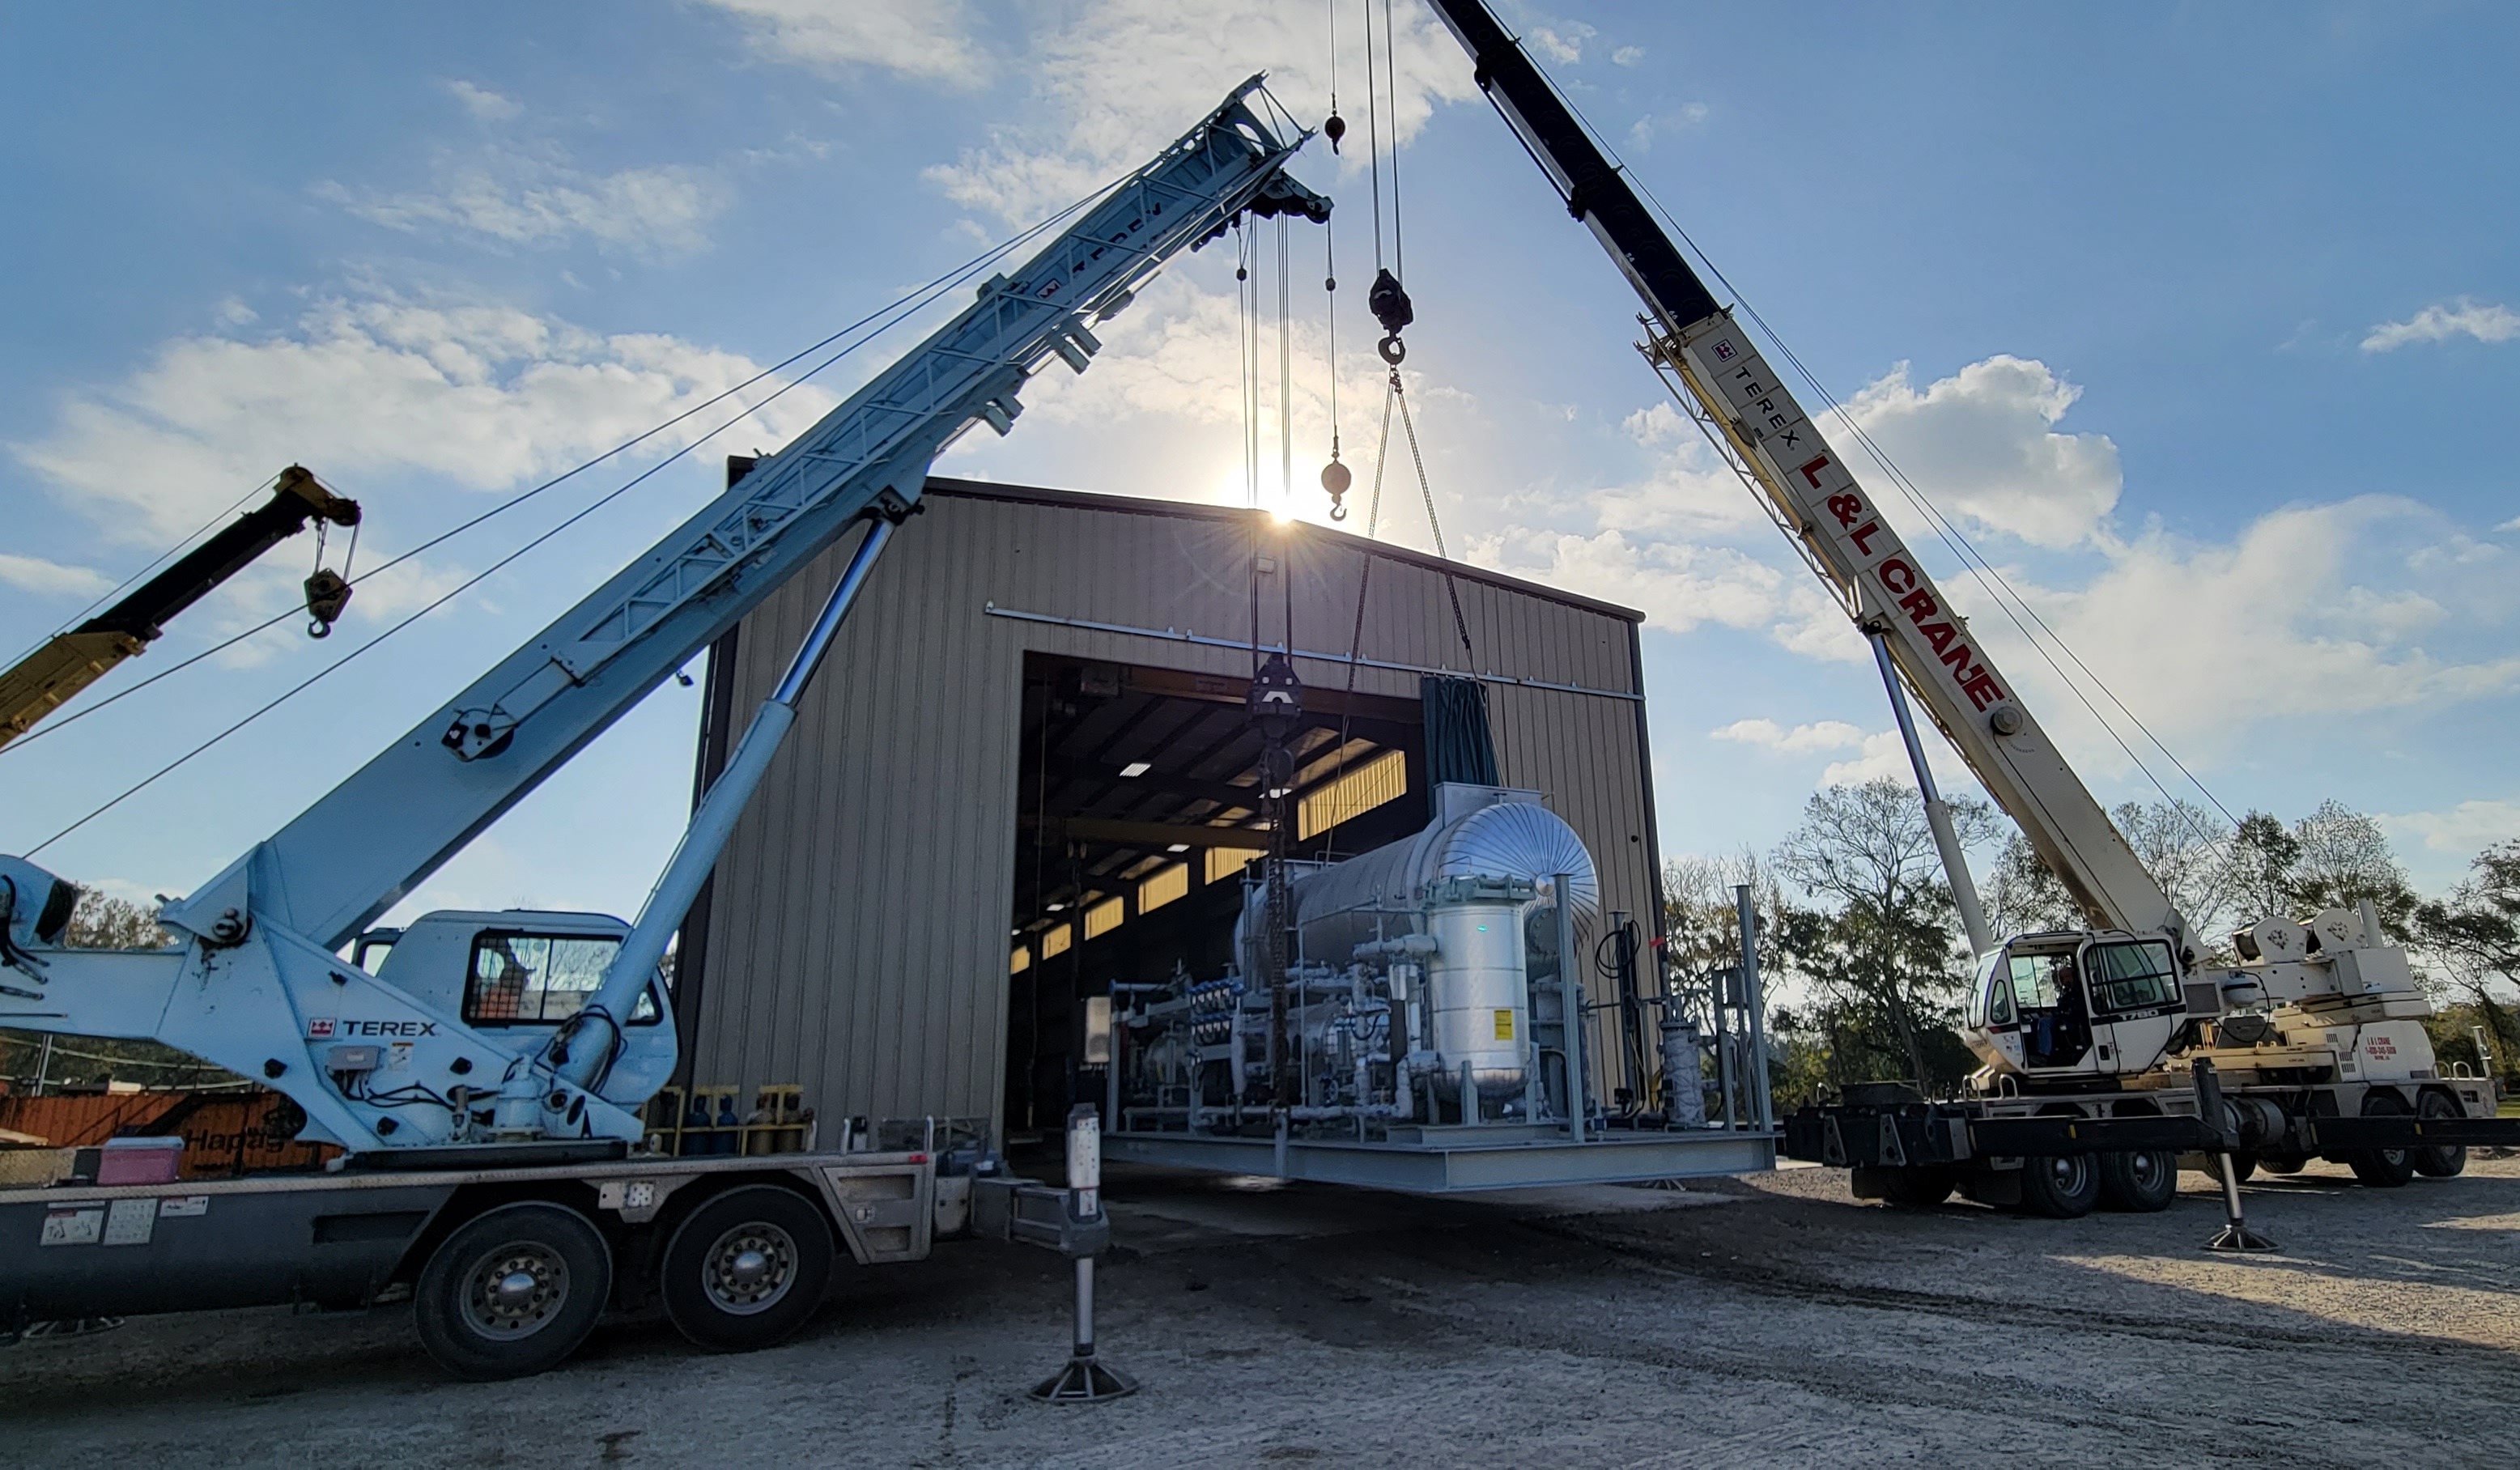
2055	1016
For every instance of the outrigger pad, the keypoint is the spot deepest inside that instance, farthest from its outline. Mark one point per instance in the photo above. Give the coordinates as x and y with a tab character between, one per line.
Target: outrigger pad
1085	1380
2236	1236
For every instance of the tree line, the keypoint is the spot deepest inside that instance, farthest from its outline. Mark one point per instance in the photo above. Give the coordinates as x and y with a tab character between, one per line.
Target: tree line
1858	935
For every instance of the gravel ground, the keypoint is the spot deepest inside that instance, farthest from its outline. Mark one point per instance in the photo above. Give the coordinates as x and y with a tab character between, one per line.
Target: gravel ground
1767	1321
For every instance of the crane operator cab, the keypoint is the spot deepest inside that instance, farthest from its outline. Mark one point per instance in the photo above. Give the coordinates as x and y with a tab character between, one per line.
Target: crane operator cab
2071	1006
518	974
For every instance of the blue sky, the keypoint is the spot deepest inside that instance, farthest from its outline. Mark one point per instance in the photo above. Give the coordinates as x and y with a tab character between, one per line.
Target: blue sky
2200	320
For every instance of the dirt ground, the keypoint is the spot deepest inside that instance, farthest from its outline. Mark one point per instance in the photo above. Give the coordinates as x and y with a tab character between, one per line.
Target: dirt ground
1767	1321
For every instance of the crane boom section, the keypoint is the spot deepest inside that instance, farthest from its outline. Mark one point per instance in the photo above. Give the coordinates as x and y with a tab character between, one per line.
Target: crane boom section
367	842
1816	498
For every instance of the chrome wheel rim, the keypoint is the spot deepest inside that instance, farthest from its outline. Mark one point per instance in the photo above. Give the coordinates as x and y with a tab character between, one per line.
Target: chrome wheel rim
514	1291
751	1268
2067	1173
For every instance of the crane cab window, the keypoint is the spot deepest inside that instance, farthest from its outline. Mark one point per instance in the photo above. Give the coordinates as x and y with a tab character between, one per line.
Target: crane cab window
2041	981
2132	977
1991	1002
540	979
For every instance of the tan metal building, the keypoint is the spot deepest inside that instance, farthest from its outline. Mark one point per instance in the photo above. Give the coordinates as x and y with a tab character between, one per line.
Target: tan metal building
1025	771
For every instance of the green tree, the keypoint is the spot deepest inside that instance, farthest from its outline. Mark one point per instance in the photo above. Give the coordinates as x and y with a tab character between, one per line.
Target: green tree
2470	940
103	922
1882	956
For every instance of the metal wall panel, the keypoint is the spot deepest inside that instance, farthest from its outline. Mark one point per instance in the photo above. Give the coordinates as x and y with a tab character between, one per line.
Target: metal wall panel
857	939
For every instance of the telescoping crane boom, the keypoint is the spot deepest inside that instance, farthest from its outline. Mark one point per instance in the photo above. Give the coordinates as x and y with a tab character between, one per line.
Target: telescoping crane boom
513	1028
68	662
2326	999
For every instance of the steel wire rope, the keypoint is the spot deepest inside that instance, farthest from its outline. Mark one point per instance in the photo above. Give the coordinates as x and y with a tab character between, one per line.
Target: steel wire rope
1287	428
1391	99
899	308
1979	569
1374	132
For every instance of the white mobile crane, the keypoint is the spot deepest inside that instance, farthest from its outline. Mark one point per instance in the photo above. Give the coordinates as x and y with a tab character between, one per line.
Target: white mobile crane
486	1078
2104	1049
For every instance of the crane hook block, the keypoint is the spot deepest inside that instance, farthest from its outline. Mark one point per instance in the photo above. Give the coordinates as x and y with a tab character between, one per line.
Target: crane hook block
325	595
1390	306
1334	129
1388	302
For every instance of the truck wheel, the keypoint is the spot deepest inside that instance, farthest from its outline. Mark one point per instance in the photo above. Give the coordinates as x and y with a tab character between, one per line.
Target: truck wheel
2142	1181
2284	1163
2382	1168
2061	1186
512	1292
1918	1188
2433	1160
746	1268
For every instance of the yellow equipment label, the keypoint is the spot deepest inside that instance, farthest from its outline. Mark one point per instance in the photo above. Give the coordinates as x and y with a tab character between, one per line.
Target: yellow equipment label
1505	1025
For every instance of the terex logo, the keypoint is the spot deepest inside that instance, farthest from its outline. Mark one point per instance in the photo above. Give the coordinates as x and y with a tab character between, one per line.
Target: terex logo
323	1027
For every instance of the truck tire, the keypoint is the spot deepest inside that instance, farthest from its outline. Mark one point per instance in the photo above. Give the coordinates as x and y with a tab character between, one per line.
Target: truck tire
2142	1181
2061	1186
2284	1163
2438	1161
746	1268
2382	1168
512	1292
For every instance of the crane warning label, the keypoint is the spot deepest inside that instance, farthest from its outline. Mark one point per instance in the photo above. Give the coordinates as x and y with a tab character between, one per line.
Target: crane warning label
1505	1025
73	1224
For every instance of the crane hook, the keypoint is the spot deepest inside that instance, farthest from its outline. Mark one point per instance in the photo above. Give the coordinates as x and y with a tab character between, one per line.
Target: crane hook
327	594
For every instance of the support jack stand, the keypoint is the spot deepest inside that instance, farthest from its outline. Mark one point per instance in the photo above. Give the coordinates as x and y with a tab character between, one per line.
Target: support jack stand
2236	1234
1085	1379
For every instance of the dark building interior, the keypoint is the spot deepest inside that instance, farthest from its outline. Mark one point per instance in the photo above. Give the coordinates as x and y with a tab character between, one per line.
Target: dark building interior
1141	811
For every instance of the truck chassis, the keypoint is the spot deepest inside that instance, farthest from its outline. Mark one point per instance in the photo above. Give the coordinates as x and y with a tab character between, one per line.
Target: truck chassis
2063	1154
511	1258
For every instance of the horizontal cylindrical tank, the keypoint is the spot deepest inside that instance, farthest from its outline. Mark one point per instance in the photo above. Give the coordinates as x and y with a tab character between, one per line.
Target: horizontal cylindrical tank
1478	833
1466	882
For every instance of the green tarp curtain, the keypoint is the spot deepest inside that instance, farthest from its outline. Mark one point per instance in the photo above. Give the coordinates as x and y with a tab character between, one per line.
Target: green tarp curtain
1458	745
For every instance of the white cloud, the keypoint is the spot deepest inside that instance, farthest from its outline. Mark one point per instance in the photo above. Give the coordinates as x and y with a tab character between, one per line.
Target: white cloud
483	396
485	104
1824	734
928	39
51	578
2463	830
1678	585
1101	109
533	196
2315	611
1643	132
1982	443
1877	754
1562	43
2464	317
2513	524
1627	56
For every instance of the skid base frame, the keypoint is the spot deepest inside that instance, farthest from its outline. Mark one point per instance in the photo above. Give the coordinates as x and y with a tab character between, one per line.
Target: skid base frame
1447	1162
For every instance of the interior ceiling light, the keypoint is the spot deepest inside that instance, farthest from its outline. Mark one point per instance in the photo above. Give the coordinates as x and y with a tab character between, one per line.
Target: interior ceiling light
1178	847
1059	908
1135	769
